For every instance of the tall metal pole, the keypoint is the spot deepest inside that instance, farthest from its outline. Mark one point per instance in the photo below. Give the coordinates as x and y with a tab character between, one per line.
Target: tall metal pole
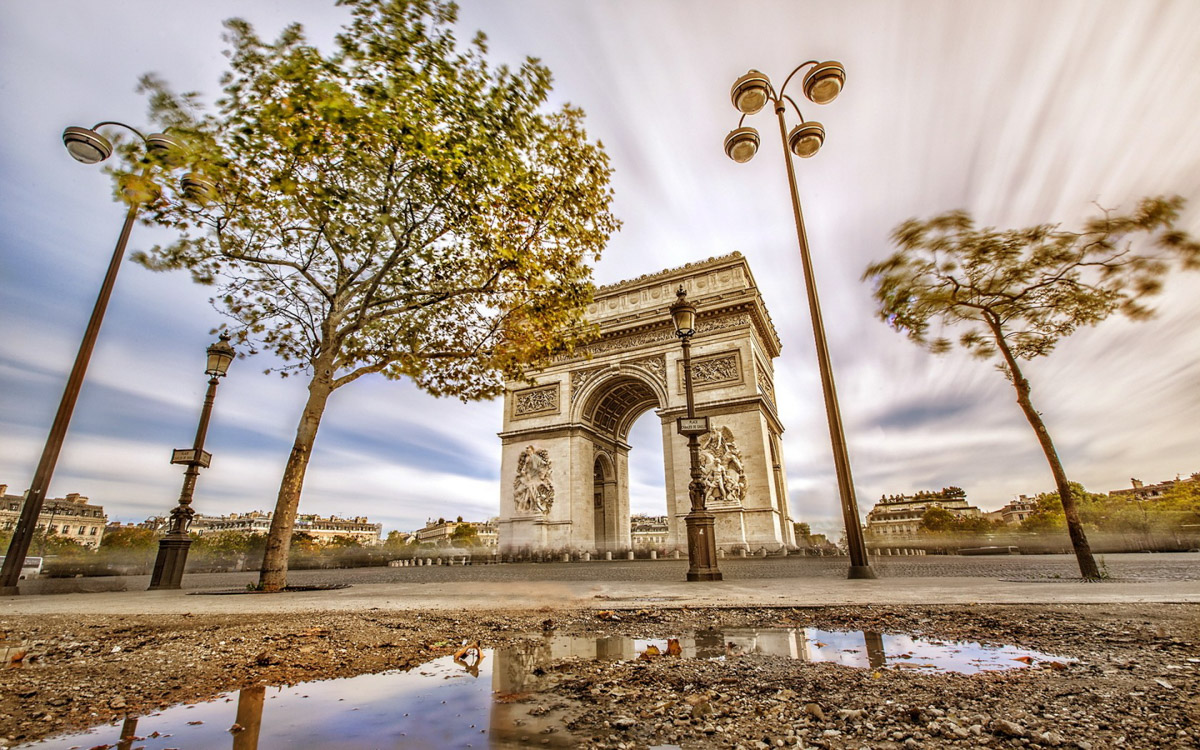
702	544
173	548
860	566
10	574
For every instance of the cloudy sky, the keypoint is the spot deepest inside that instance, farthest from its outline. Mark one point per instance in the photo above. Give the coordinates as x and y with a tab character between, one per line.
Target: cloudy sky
1019	112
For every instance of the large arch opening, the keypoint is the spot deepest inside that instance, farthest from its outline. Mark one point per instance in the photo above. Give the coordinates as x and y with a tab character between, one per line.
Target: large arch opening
605	513
611	411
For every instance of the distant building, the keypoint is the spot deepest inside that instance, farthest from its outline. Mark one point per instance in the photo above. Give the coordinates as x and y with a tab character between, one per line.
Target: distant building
1015	512
71	517
1141	491
321	528
900	515
648	532
487	533
440	533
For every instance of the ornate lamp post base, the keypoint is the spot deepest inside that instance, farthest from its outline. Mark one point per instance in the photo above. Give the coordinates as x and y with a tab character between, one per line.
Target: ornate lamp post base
702	547
861	572
168	566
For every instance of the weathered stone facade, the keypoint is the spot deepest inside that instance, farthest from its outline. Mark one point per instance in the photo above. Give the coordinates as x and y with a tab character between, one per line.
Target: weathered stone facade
565	459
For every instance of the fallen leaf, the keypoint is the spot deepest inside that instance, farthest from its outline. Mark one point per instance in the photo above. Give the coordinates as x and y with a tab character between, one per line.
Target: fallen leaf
1024	659
673	648
194	723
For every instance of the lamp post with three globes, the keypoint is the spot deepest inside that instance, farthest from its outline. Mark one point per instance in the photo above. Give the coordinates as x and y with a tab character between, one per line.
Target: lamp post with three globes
750	93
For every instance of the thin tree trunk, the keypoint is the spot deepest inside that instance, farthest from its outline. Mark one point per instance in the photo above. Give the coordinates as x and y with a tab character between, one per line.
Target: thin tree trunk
273	575
1083	551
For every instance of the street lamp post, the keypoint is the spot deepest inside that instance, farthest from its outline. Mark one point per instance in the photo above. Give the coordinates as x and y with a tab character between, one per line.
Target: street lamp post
821	85
173	548
702	544
90	147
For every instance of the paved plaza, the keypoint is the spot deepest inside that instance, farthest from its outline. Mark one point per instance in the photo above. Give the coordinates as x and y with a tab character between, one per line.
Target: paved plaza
1034	579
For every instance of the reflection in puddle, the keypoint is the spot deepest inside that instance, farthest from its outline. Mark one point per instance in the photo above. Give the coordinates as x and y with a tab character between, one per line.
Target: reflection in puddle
495	698
850	648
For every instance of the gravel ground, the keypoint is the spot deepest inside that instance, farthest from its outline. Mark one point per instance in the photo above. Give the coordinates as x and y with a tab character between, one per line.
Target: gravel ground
1135	681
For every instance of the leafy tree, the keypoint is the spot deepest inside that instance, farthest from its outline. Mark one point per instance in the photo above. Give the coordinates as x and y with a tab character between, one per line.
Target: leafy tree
395	540
1017	292
129	539
225	543
48	544
937	519
396	206
464	535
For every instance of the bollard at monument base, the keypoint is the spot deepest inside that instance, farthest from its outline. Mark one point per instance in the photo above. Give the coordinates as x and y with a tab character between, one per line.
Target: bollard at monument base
675	554
629	555
653	554
566	557
608	555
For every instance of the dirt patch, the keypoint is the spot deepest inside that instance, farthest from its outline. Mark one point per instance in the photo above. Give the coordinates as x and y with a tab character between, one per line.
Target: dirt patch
1135	681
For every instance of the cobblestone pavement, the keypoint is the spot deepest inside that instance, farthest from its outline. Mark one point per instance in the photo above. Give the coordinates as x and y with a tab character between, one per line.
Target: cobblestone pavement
1181	566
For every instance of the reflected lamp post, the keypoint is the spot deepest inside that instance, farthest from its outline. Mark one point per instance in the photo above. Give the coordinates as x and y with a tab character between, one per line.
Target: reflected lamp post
702	545
88	146
173	548
750	94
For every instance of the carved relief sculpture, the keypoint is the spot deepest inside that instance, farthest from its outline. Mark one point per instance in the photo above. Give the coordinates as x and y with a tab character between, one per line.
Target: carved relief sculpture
533	490
715	370
657	365
721	469
535	401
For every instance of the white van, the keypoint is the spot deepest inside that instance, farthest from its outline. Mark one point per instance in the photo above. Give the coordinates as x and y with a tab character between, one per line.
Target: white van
31	568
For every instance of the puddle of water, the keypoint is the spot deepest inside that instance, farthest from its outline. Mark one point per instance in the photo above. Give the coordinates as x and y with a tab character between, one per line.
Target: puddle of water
503	701
850	648
438	705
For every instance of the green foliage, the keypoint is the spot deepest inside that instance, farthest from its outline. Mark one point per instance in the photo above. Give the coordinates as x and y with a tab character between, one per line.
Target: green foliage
228	543
1022	290
395	540
48	544
397	205
464	535
129	539
1176	511
938	520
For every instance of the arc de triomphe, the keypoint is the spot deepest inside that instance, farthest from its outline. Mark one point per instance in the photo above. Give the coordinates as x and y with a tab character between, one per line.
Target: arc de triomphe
564	479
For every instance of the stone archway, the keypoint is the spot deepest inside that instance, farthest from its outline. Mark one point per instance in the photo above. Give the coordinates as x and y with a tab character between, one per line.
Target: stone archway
565	457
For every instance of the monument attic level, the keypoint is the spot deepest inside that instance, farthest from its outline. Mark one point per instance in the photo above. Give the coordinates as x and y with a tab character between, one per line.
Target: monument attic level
565	456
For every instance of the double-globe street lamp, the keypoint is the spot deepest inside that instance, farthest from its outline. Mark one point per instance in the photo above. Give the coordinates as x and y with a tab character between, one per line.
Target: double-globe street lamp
87	145
702	545
173	548
821	85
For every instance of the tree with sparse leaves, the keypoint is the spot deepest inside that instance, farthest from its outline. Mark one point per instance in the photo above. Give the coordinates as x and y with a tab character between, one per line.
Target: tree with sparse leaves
1016	293
396	206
